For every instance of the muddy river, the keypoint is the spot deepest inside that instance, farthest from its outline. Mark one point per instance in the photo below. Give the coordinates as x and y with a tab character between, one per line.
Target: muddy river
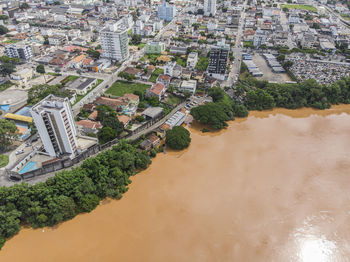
272	187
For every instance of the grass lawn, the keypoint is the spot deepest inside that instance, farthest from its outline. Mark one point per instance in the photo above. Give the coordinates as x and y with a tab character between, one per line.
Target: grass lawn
10	41
173	100
155	74
6	85
79	97
53	74
4	160
300	7
119	88
69	79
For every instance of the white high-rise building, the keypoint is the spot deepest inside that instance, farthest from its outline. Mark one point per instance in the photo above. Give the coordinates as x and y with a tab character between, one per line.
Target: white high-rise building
54	120
114	41
209	7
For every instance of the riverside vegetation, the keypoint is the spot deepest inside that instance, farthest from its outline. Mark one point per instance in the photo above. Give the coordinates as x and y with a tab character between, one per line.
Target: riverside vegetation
69	193
262	95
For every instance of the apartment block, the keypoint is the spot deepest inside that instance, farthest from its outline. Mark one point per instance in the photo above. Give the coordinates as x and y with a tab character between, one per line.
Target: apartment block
54	120
19	51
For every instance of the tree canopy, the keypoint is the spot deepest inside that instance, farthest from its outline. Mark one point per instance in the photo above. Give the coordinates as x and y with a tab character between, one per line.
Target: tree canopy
38	92
178	138
8	132
70	192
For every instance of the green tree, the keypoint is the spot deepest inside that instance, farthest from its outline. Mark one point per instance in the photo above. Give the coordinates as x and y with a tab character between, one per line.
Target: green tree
7	69
8	132
178	138
40	69
106	134
93	53
3	30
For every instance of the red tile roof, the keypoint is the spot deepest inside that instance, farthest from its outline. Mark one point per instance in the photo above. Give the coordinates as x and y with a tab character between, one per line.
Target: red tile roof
89	124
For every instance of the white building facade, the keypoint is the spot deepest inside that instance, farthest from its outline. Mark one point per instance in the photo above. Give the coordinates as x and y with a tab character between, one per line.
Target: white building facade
114	42
54	120
19	51
209	7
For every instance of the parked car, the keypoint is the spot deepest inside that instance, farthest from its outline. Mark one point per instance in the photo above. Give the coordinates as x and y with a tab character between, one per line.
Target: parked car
19	152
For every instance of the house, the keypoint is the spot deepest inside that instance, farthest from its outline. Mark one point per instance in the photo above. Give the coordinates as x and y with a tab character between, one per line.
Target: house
57	40
89	107
77	61
152	113
154	139
126	104
146	145
133	71
164	79
178	50
124	119
189	86
93	115
82	85
23	76
199	76
88	126
157	90
186	74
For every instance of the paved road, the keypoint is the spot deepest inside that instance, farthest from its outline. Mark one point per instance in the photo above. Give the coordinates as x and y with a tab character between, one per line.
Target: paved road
237	51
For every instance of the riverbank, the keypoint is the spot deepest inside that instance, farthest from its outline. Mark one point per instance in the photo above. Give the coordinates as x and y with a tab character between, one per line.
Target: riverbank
269	187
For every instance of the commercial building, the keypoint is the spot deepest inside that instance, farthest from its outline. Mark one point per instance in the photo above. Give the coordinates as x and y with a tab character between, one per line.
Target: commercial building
19	51
209	7
166	12
54	120
114	41
218	58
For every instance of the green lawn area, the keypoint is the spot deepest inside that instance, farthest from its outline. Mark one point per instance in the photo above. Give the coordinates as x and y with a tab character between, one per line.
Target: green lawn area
10	41
69	79
152	58
4	160
6	85
52	74
172	100
203	63
79	97
119	88
141	45
155	74
300	7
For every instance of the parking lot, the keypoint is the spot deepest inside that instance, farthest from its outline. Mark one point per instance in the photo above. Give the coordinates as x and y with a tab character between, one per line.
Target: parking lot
260	62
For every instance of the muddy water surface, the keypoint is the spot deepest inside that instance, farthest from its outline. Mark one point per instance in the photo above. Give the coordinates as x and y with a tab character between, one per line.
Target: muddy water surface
273	187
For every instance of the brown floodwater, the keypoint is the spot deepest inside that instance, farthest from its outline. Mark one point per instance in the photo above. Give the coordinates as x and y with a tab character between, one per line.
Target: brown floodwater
272	187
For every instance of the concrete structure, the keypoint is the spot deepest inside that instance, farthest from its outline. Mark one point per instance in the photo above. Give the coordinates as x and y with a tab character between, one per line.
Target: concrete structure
114	41
23	76
189	86
19	51
176	120
166	12
54	120
155	48
57	40
82	85
259	38
218	58
209	7
192	60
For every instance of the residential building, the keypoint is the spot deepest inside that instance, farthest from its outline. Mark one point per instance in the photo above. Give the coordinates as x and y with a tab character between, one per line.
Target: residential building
157	90
82	85
164	79
209	7
259	38
166	12
54	120
152	113
169	68
218	58
155	48
114	41
189	86
307	41
57	40
23	76
192	60
21	51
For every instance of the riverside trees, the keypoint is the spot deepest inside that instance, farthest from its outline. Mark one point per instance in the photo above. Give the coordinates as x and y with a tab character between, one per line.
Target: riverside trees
70	192
178	138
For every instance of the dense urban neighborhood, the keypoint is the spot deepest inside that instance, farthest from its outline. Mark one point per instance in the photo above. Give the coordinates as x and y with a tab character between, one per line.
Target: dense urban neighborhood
86	82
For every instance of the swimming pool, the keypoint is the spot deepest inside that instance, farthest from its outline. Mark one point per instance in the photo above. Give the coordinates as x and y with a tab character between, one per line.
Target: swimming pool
31	165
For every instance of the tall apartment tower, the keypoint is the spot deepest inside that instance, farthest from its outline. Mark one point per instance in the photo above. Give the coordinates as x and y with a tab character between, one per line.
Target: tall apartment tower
218	58
166	12
209	7
54	120
114	41
19	51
